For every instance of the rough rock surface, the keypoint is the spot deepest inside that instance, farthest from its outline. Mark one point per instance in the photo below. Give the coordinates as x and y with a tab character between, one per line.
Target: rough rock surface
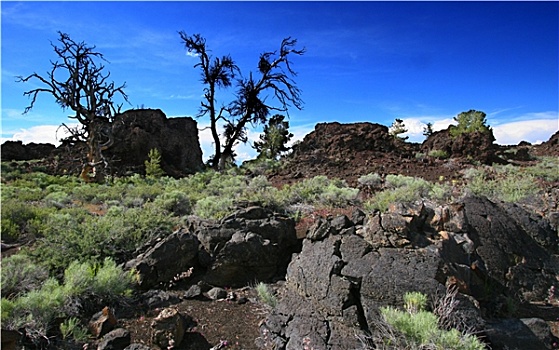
137	131
102	323
477	145
253	244
168	328
117	339
351	150
169	257
346	271
550	147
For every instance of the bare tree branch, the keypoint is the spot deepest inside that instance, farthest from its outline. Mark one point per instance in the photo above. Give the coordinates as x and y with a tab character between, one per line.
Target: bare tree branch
78	82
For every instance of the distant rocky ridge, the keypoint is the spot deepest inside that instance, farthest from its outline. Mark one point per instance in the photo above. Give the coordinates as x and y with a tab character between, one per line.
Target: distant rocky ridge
136	132
348	151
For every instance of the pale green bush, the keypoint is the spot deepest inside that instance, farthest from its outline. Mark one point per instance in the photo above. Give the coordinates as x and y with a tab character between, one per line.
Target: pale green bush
265	295
38	309
58	198
21	275
505	183
321	190
406	189
437	153
420	328
213	207
371	180
174	201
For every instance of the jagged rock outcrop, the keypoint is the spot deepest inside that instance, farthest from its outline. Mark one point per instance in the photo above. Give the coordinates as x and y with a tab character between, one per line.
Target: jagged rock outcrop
478	146
346	271
252	244
137	131
16	150
166	259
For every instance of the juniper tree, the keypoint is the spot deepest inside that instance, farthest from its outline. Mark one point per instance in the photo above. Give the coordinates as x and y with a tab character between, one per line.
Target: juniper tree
397	128
468	122
274	138
78	82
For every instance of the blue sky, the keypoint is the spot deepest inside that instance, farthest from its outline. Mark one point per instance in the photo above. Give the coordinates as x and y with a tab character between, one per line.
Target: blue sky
365	61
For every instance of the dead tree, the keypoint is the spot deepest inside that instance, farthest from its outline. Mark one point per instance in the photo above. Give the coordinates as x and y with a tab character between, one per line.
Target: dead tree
78	82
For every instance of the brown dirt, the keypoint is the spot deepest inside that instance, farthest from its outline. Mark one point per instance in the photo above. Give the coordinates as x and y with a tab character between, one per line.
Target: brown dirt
214	321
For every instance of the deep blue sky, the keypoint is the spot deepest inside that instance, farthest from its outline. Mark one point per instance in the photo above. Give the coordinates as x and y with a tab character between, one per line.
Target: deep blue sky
365	61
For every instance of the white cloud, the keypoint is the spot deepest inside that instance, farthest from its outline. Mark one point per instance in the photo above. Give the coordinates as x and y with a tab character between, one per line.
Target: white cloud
39	134
416	126
531	127
534	131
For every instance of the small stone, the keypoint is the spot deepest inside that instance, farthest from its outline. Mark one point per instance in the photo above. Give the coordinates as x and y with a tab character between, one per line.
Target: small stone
168	328
242	300
102	323
217	293
117	339
193	292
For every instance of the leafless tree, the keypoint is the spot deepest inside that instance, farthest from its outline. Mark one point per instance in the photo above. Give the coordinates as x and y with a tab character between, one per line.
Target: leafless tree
78	82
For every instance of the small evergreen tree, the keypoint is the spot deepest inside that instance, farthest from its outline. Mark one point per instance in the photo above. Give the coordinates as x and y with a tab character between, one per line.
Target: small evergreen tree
153	164
397	128
468	122
274	139
428	130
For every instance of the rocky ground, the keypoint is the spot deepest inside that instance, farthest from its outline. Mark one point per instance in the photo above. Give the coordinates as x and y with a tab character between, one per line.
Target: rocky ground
344	151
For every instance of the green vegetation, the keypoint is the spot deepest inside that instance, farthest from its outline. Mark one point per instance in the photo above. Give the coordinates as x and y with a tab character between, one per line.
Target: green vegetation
405	189
82	231
437	153
153	164
274	138
265	295
398	128
420	328
469	122
71	328
505	183
36	310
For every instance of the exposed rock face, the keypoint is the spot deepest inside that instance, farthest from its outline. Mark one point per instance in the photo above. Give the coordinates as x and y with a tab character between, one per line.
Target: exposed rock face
102	323
137	131
347	151
16	150
346	271
117	339
476	146
169	257
253	244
